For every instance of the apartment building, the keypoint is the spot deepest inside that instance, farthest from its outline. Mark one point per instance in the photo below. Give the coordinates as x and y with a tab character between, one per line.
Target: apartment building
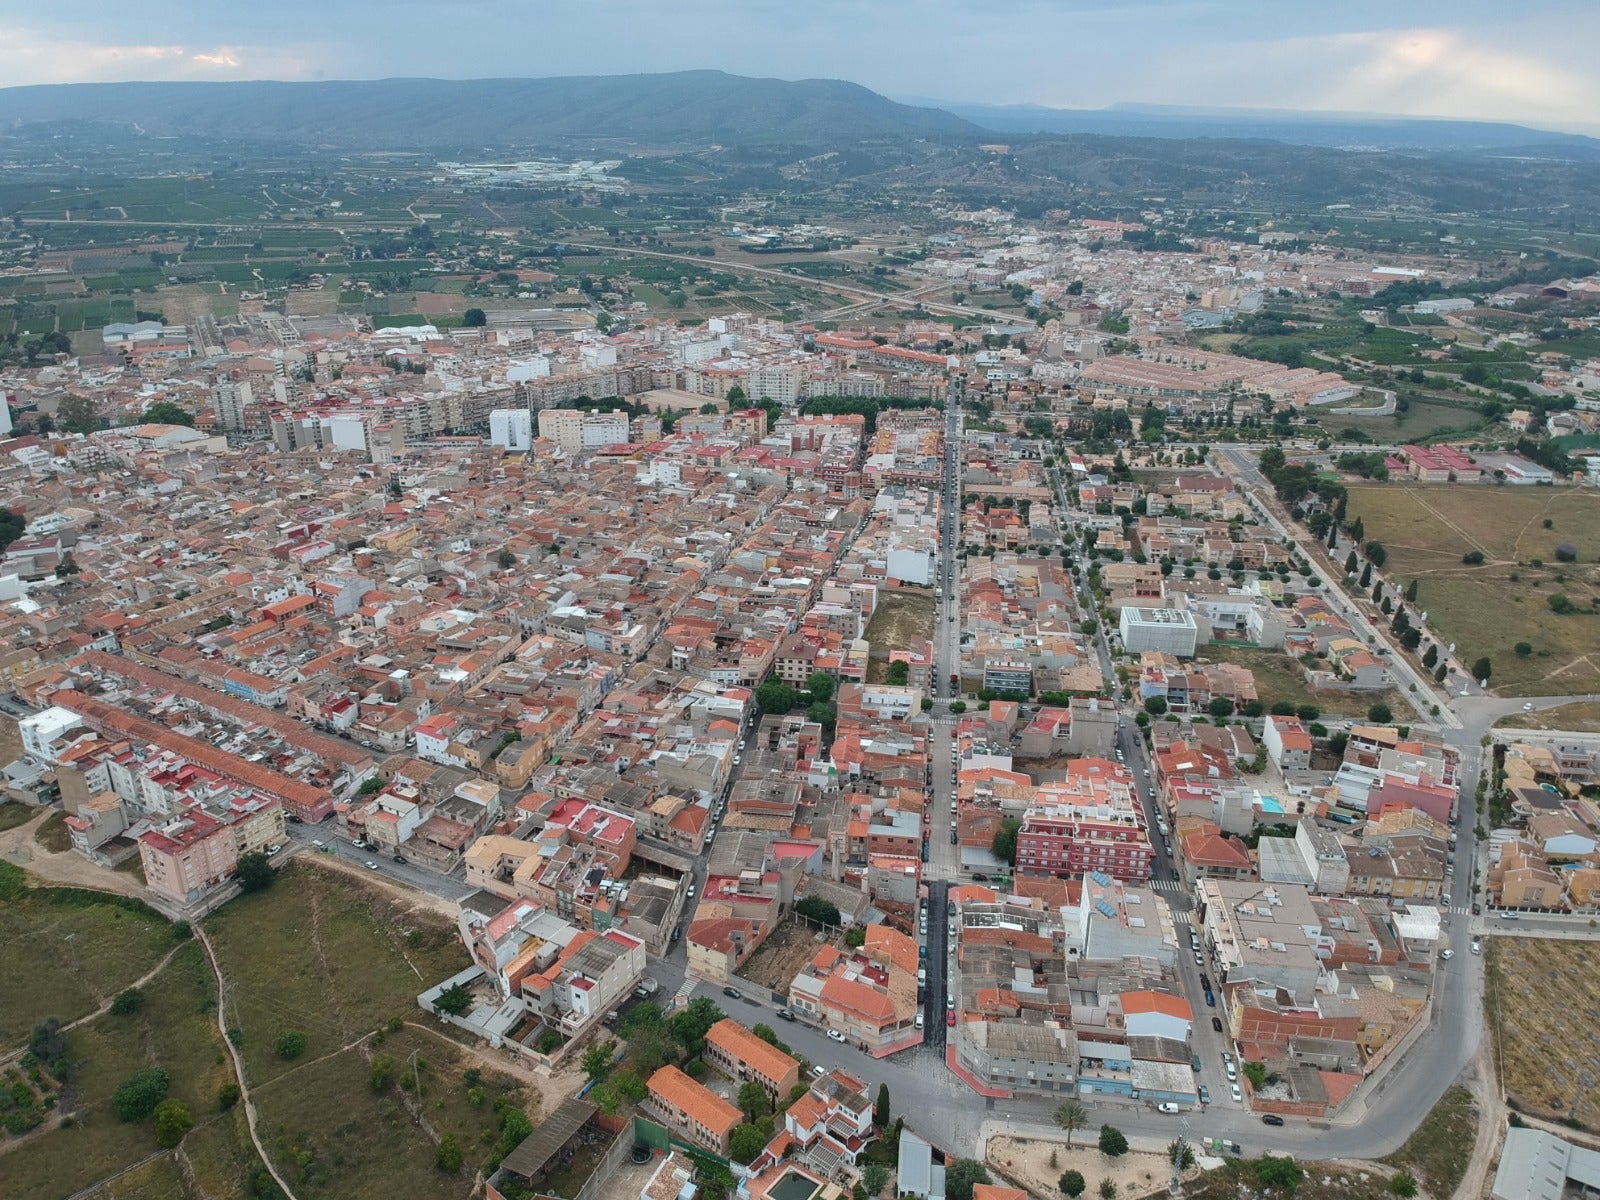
580	431
693	1111
188	857
740	1054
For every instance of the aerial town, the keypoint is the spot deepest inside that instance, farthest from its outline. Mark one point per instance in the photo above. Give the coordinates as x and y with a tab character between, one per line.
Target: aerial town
1030	702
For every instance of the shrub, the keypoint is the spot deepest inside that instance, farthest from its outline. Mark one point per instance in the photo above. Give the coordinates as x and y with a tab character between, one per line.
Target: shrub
1113	1142
127	1003
138	1095
227	1096
1108	1189
1473	558
1566	552
1404	1184
447	1156
173	1120
291	1044
1071	1184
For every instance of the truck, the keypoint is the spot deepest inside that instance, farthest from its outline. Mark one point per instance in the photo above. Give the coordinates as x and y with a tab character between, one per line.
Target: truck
647	987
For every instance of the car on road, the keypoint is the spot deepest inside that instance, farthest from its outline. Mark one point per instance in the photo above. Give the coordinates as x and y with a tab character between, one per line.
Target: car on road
1447	955
692	888
271	850
918	1022
677	933
835	1036
1231	1071
1238	1096
737	759
818	1072
1211	999
1216	1024
1445	899
1195	1063
1204	1093
1477	946
1271	1119
733	993
785	1015
1167	1107
399	858
371	865
950	1018
1527	707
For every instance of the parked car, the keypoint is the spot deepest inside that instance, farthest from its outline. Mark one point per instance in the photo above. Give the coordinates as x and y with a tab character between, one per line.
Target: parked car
677	933
918	1022
1238	1096
1216	1024
733	993
785	1015
371	865
818	1072
1477	946
1167	1107
1271	1119
950	1018
399	858
1211	999
835	1036
1447	955
1204	1093
271	850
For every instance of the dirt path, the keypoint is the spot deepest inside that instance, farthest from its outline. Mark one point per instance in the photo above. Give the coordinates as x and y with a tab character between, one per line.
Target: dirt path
413	899
1485	1088
238	1066
67	868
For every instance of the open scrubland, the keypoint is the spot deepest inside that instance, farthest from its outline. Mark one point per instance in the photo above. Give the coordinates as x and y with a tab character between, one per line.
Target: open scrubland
1490	607
354	1087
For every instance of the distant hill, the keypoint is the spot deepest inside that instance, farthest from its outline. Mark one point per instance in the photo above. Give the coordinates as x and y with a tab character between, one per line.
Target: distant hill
704	106
1355	130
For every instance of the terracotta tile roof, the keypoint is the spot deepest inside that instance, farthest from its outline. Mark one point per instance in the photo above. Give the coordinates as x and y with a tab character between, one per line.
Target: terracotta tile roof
679	1093
743	1046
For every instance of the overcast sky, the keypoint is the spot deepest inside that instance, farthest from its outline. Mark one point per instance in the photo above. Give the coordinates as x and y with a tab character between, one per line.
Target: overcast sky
1531	61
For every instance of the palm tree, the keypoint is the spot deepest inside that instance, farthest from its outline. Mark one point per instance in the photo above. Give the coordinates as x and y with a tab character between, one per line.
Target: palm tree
1071	1116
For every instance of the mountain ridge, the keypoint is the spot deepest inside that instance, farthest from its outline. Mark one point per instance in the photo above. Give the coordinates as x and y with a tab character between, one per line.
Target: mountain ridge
704	106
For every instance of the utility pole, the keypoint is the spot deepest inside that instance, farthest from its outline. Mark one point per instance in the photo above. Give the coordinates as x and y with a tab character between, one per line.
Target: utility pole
416	1079
1179	1149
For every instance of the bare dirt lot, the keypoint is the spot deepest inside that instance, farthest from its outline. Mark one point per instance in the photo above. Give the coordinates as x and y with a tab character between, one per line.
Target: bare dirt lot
1542	1005
781	956
902	620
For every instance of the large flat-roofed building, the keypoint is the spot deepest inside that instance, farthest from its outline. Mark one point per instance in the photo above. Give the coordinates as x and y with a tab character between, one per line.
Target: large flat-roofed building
1169	630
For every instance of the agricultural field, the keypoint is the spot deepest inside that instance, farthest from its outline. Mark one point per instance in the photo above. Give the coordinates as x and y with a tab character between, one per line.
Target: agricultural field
1488	609
1541	1004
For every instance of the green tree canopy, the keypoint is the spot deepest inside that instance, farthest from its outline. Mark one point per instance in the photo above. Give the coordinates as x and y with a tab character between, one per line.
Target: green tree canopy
1113	1142
1005	841
821	685
173	1120
164	412
961	1175
814	908
474	318
776	696
1071	1184
255	872
136	1096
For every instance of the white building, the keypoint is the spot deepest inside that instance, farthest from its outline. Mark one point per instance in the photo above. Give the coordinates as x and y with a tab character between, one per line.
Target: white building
511	429
5	416
41	730
1169	630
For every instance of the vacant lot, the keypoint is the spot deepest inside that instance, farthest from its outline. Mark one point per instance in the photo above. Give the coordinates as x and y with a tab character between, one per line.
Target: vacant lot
1279	680
1438	1152
781	956
345	1133
1542	1005
172	1030
902	620
64	960
1488	609
1578	718
323	954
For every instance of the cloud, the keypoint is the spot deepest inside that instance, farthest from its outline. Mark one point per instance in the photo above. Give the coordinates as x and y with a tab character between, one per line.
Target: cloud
34	56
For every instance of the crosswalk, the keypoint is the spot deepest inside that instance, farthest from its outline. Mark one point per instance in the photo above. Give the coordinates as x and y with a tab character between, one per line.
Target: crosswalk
1174	887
